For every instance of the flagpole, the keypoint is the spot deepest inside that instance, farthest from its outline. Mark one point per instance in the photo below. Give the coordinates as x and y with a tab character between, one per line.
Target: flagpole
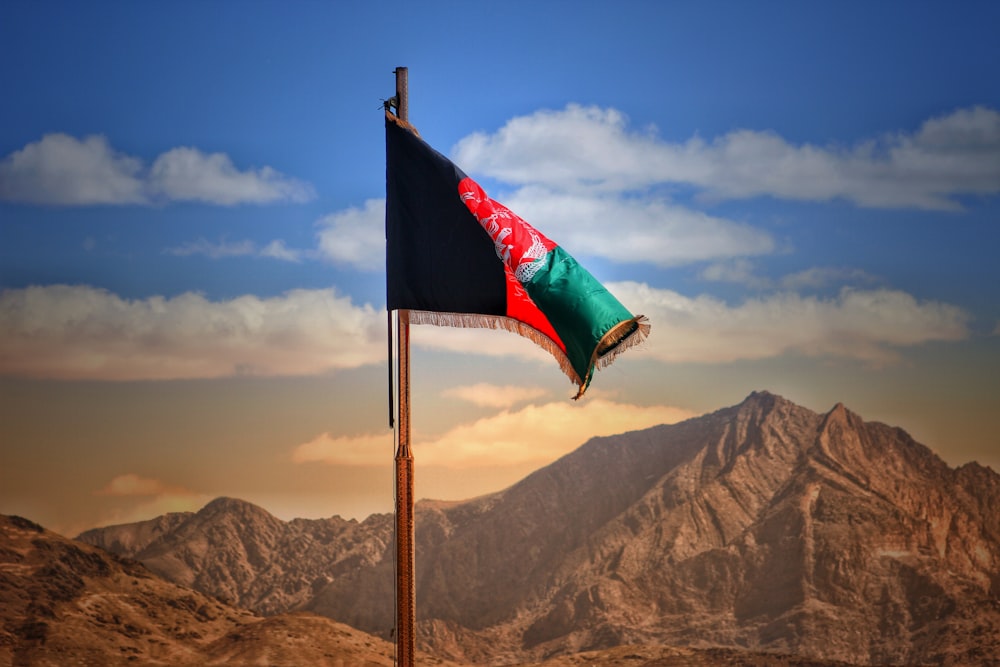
406	606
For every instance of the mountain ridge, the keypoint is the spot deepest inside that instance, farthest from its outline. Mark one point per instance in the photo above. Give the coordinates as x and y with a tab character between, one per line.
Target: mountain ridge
763	525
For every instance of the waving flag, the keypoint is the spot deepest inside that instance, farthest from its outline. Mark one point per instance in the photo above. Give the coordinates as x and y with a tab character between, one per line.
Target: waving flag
456	257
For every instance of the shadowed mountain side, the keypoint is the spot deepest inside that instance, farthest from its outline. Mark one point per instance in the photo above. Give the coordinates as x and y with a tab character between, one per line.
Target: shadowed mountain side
764	526
66	603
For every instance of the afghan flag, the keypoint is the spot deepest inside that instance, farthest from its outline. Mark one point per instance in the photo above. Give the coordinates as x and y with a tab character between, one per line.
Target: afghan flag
455	257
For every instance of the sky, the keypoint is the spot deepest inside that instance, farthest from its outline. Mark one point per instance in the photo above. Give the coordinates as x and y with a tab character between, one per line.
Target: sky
803	198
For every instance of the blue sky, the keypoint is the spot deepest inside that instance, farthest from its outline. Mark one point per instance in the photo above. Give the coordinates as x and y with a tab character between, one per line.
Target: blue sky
803	198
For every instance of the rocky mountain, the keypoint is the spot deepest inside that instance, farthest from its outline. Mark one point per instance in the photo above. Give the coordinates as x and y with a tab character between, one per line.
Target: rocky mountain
764	526
240	553
66	603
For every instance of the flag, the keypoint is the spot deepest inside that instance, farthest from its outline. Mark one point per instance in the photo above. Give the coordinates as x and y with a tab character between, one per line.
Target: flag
456	257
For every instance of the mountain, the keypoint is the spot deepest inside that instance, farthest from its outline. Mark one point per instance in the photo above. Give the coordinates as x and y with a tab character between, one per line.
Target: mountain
240	553
67	603
764	526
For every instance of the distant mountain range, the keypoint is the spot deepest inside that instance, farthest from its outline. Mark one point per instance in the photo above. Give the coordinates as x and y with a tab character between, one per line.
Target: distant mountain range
764	526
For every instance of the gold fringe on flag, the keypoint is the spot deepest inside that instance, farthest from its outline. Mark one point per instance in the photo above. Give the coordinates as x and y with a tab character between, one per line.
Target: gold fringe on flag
498	322
621	337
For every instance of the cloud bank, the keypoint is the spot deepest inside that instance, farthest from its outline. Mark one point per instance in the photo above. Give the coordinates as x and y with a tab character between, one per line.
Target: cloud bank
81	332
862	325
61	170
595	186
580	149
78	332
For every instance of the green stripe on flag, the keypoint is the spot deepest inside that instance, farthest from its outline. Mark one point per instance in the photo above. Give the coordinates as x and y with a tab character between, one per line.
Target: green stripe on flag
581	310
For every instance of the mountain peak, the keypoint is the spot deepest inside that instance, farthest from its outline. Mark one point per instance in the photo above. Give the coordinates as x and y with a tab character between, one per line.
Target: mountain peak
224	505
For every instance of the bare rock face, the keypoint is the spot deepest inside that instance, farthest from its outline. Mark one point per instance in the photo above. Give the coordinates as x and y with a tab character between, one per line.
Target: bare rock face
70	603
763	526
67	603
238	552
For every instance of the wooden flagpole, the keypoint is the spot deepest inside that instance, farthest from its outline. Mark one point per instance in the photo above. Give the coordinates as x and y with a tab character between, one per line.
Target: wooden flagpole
406	603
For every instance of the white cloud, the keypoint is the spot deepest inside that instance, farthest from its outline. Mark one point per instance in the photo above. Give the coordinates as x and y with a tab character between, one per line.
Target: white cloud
65	171
635	230
278	250
494	396
246	248
620	229
187	174
62	170
857	324
583	149
533	434
75	332
740	271
865	325
355	237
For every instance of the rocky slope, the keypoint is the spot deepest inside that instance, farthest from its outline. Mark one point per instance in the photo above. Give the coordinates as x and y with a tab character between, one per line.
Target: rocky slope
763	526
239	553
66	603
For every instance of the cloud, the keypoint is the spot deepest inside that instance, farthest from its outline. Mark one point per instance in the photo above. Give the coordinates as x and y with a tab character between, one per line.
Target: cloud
740	271
82	332
214	250
187	174
61	170
867	325
362	450
823	276
535	434
131	484
278	250
246	248
494	396
146	498
588	149
630	230
485	342
150	509
623	230
355	237
863	325
743	272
